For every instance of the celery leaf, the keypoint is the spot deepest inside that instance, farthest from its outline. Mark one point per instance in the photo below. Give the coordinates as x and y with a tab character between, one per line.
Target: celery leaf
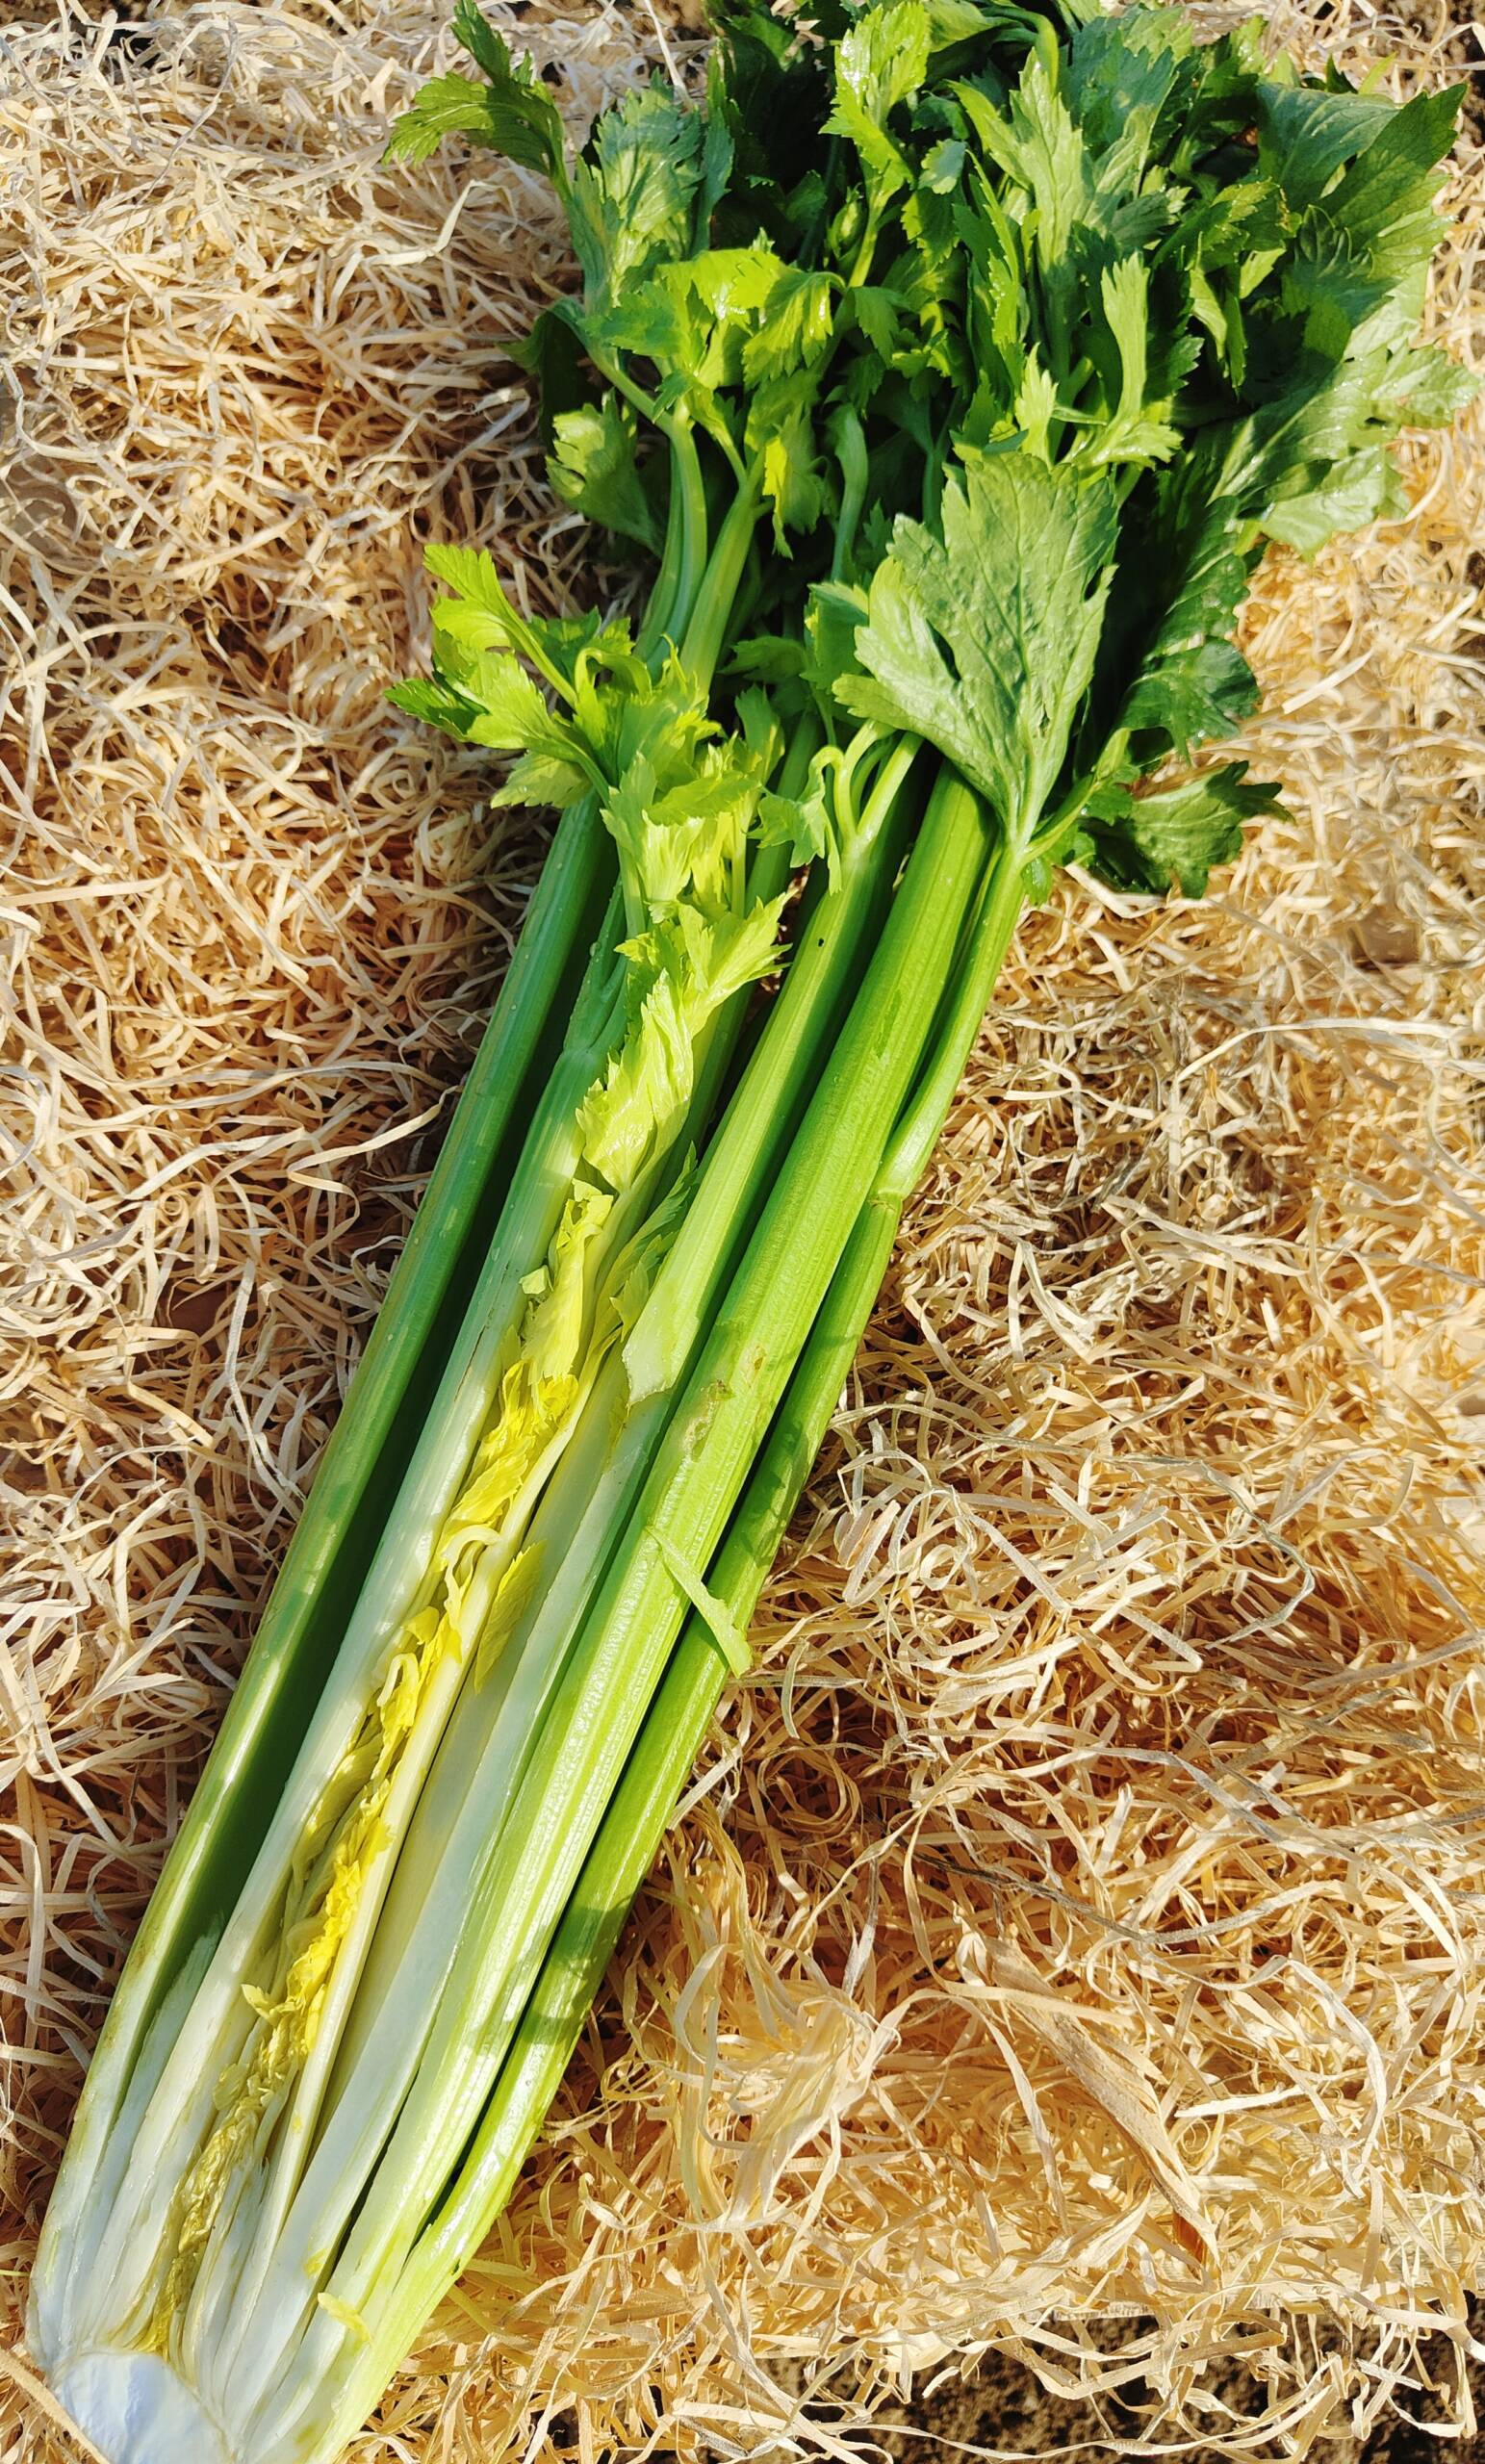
595	468
984	640
1139	842
511	112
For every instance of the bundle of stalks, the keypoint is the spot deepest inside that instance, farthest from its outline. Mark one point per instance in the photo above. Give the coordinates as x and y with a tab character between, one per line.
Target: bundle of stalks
1107	1781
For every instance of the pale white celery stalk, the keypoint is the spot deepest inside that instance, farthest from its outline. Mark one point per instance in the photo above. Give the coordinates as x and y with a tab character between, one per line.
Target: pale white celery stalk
474	1779
368	1446
221	2291
372	2041
120	2264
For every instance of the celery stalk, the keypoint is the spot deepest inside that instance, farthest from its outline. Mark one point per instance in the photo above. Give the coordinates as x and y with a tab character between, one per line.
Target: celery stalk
699	1469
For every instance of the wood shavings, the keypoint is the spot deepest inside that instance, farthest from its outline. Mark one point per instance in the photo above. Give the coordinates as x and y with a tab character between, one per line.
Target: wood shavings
1079	1913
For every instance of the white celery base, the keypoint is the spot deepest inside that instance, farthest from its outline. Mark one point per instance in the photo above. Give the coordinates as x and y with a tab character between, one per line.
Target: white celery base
135	2410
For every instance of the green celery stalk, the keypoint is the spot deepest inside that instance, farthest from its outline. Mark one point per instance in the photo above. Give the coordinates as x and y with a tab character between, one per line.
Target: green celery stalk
701	1467
830	954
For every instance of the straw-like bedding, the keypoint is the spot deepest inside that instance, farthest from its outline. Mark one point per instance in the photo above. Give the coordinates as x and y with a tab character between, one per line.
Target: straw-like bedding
1079	1912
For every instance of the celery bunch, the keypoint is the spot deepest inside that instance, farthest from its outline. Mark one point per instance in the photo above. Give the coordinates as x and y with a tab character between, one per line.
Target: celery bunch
954	360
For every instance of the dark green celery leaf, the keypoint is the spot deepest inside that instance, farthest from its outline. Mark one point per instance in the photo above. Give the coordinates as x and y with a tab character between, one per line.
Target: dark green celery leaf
998	313
1034	145
833	620
1212	101
1365	487
1384	200
1172	675
956	21
1136	422
1328	289
719	155
984	640
552	352
1423	389
1306	134
1351	279
770	658
1299	446
1120	73
1188	692
769	89
1140	842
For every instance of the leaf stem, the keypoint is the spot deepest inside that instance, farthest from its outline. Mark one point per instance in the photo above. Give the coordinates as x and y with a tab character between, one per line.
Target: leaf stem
990	934
706	620
694	535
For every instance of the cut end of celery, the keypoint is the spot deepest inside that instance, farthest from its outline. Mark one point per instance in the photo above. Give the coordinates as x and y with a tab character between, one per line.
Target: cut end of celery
135	2410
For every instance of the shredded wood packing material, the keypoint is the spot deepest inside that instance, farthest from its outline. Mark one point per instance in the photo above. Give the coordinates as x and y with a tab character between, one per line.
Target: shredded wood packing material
1079	1911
